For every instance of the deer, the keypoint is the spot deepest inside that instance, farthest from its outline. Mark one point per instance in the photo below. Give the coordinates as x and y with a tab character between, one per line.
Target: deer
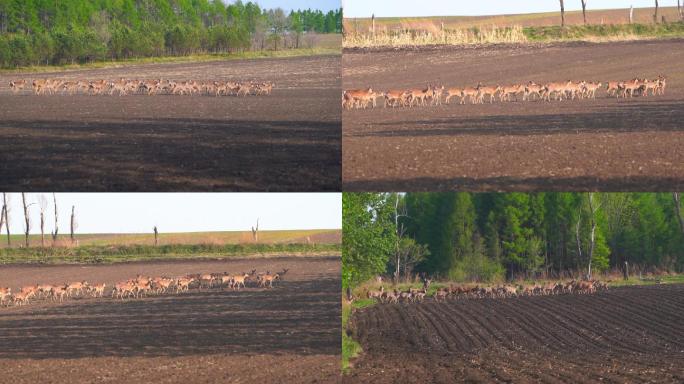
5	293
268	279
531	89
491	91
17	85
511	90
470	92
97	290
238	280
394	97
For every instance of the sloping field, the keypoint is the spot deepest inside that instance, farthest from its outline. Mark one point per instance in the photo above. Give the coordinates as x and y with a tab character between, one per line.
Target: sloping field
628	334
602	16
289	140
289	333
604	143
314	236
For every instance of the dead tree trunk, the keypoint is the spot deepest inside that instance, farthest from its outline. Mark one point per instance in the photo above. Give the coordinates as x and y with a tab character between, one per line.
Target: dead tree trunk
562	5
27	221
54	234
7	222
655	15
43	204
156	236
577	236
584	11
73	222
631	14
679	11
2	217
255	232
592	235
396	228
678	210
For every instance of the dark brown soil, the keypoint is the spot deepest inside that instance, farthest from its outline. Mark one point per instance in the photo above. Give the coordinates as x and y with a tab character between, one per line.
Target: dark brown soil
603	144
286	334
290	140
630	334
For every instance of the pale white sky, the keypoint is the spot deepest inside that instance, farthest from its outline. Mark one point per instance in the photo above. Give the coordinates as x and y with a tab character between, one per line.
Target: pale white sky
181	212
405	8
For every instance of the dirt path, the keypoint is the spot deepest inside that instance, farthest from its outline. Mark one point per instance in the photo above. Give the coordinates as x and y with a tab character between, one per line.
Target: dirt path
289	140
607	144
630	334
286	334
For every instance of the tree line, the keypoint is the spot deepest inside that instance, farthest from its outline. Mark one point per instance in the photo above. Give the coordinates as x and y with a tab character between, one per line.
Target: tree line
56	32
494	236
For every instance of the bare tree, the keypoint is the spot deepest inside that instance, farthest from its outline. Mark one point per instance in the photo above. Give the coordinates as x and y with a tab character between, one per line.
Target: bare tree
27	218
42	203
2	217
255	232
7	221
678	210
593	207
655	15
584	11
156	236
54	234
73	222
562	5
577	235
400	231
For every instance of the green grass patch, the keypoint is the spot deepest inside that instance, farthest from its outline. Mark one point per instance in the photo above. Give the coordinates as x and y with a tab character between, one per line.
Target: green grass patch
94	254
604	32
650	280
350	347
178	59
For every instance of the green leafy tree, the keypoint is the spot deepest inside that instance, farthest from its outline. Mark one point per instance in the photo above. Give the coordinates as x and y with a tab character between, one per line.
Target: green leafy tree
368	236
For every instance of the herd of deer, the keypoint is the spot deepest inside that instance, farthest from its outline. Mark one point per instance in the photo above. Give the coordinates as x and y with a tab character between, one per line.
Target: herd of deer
124	87
433	95
139	286
413	295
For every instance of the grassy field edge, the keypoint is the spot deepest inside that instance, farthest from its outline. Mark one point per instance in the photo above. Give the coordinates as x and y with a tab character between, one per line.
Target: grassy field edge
130	253
302	52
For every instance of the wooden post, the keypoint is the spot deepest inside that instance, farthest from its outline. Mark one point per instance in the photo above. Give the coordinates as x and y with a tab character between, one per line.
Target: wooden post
562	5
255	232
26	218
156	236
54	234
73	222
625	272
7	223
655	15
631	14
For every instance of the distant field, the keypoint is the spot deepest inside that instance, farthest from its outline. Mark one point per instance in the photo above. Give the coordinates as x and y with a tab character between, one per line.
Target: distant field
313	236
602	25
608	16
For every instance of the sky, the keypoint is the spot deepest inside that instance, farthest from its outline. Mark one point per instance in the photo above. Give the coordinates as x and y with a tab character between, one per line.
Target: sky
287	5
403	8
181	212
